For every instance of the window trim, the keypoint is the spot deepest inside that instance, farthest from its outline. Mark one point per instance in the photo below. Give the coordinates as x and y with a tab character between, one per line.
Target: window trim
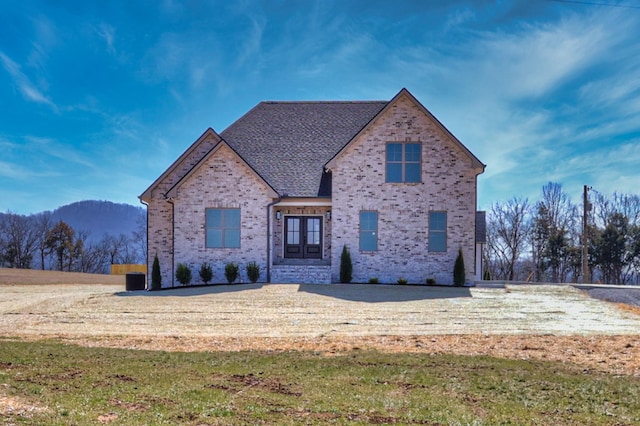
437	231
403	162
223	228
362	230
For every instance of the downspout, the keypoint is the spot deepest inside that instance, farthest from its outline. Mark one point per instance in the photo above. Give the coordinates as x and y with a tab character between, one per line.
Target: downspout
173	242
146	255
269	236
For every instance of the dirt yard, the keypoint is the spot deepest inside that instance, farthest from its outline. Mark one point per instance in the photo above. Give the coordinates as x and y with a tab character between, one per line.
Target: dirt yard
541	322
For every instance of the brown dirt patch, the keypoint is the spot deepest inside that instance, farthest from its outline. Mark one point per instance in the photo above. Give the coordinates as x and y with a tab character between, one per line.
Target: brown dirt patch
610	354
15	406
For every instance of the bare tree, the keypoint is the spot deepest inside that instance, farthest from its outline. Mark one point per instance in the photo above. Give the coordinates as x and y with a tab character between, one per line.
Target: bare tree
139	239
553	234
509	225
42	225
94	258
18	240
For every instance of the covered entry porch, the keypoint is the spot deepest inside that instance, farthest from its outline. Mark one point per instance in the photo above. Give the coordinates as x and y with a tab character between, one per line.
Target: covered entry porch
301	241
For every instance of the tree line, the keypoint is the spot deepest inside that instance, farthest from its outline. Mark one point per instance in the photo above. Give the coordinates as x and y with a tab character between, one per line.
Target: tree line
543	241
36	241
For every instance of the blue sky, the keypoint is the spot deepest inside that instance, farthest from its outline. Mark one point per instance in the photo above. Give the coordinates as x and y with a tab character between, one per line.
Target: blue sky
98	98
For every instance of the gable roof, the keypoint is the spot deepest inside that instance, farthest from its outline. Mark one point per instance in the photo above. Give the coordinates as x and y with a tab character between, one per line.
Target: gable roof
288	143
475	162
179	168
172	191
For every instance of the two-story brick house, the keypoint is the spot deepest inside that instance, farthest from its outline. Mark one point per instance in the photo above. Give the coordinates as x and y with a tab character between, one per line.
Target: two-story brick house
290	183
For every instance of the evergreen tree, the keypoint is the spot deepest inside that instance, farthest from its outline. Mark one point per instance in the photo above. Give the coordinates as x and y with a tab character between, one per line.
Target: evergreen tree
156	276
459	276
346	267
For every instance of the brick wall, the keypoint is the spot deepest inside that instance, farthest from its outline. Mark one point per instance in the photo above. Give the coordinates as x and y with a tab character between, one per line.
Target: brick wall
222	181
159	210
448	184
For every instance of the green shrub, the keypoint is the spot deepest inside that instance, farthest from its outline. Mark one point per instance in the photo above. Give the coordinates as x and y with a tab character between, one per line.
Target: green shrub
459	276
346	268
487	275
206	273
431	281
156	276
253	271
231	272
373	280
183	274
402	281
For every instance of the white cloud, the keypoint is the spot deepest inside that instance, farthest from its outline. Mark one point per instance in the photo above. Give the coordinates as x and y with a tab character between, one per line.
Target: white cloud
251	45
67	154
24	85
14	171
107	33
45	38
459	17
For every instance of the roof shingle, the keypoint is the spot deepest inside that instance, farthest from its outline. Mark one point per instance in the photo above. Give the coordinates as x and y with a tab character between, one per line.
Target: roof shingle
288	143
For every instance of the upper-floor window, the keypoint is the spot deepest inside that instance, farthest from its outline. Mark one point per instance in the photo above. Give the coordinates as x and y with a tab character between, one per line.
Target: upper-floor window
437	231
368	231
404	162
222	228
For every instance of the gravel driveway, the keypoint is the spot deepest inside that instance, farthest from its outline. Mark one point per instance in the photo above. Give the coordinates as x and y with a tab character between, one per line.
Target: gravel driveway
287	310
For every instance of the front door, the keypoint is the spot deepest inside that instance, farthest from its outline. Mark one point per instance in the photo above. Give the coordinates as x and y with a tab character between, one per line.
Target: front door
303	237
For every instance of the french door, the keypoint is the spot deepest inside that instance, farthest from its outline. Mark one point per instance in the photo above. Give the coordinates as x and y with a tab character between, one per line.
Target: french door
303	237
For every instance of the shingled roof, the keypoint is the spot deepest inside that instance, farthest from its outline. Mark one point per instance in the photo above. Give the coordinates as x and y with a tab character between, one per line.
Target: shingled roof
288	143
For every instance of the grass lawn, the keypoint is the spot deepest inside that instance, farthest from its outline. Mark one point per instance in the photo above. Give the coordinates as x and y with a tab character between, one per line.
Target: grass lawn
53	383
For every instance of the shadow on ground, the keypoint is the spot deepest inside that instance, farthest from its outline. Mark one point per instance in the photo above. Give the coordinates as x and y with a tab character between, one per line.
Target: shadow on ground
193	290
375	293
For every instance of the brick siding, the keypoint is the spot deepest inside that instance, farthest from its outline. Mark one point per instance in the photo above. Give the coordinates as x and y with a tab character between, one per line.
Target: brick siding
222	181
448	184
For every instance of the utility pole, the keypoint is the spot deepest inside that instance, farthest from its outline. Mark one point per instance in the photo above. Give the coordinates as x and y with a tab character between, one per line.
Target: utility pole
585	239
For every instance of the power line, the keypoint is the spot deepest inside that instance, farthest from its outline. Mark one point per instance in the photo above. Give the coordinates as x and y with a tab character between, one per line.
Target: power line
590	3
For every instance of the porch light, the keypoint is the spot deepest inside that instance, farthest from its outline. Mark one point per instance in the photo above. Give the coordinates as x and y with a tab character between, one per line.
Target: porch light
329	215
278	215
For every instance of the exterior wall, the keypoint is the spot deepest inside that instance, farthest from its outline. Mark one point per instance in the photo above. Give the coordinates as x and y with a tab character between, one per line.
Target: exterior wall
160	212
448	184
160	239
222	181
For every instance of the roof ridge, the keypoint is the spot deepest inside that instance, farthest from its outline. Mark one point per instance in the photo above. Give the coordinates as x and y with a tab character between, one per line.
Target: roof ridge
325	102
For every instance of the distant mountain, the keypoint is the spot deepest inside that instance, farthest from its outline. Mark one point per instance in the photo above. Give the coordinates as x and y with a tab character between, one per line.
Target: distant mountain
98	218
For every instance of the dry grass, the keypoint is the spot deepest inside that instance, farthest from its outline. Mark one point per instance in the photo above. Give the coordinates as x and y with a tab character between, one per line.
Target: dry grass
538	322
9	276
